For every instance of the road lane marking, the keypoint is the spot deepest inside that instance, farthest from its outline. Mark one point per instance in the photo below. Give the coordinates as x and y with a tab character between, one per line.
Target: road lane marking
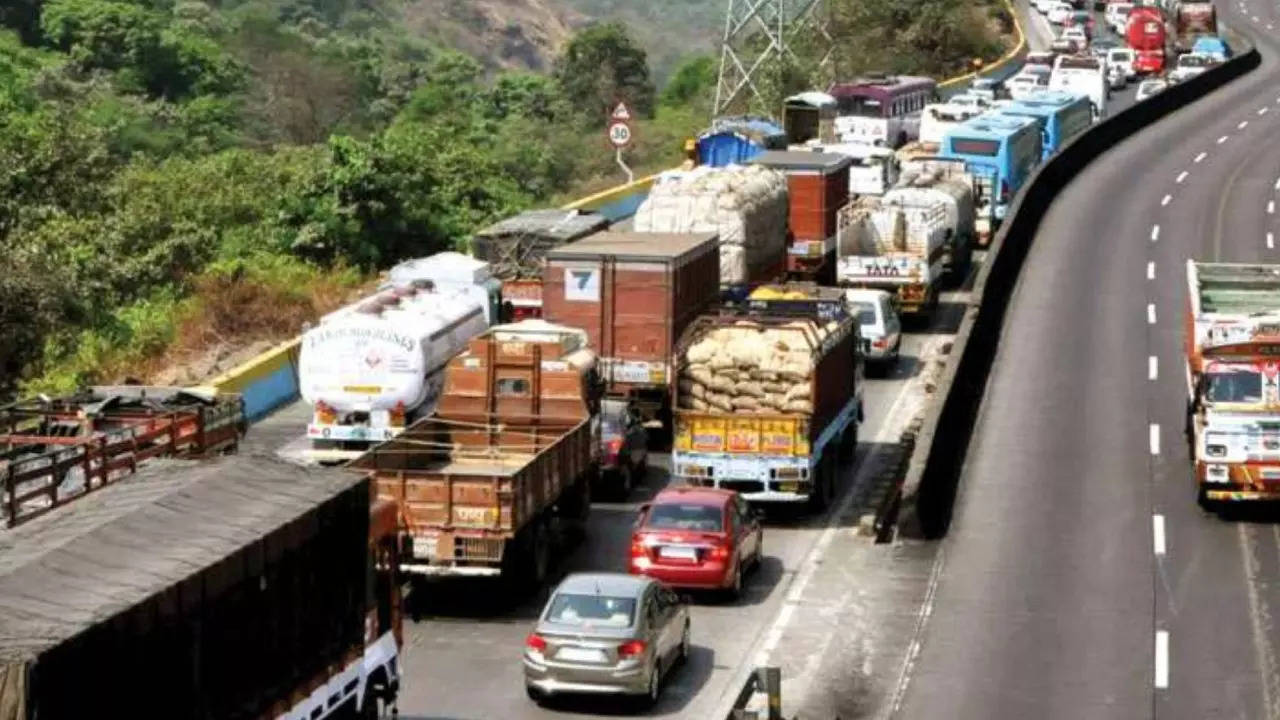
1277	185
1271	241
1151	270
1243	124
1259	617
1155	233
1263	110
1201	156
1162	659
1151	314
1181	176
1223	139
1165	200
1154	432
1153	367
1271	207
1157	533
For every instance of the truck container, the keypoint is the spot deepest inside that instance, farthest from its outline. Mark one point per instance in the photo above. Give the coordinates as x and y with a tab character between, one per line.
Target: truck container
1193	20
736	139
809	116
512	450
1145	33
1233	357
918	232
371	368
514	249
634	293
768	398
817	187
745	206
237	588
54	450
873	169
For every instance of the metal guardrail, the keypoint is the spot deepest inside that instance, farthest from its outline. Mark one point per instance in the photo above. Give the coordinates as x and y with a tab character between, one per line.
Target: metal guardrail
766	681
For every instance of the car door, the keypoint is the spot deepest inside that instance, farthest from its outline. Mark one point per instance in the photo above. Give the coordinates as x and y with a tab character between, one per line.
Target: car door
892	326
662	611
751	528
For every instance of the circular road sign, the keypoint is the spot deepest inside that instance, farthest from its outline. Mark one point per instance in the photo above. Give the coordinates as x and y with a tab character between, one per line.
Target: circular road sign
619	134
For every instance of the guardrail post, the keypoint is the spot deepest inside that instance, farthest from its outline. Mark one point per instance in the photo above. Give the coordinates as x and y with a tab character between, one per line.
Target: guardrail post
769	679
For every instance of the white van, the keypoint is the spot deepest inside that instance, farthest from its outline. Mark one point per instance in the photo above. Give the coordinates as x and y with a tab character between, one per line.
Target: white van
937	119
880	326
1082	75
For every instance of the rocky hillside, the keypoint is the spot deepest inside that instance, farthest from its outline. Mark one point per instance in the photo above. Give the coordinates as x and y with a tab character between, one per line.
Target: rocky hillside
504	34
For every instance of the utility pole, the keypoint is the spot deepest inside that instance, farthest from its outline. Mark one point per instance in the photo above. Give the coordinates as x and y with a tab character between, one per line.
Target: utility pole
758	35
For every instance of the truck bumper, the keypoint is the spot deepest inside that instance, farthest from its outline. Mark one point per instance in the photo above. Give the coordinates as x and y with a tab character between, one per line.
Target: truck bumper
757	491
1238	482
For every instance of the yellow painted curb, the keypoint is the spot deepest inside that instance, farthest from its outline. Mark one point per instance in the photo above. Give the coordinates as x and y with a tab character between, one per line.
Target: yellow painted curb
238	378
1017	49
614	193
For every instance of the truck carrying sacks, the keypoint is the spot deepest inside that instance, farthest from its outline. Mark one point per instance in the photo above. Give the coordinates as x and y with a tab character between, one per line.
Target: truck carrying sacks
746	206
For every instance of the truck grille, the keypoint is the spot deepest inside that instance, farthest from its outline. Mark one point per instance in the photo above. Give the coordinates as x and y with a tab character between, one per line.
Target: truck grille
468	548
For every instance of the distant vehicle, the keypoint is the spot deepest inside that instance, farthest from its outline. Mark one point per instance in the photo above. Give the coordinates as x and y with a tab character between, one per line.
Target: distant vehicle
988	88
1214	47
1123	58
1000	152
1062	117
1025	84
1059	12
1145	33
881	109
1038	59
1079	36
936	120
1043	6
975	102
606	633
1085	76
1103	45
1116	79
1192	20
624	449
1082	19
881	328
1149	88
690	537
1064	45
1116	15
1189	66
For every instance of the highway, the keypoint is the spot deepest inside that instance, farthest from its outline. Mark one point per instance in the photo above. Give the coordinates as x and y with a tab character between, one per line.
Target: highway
1080	579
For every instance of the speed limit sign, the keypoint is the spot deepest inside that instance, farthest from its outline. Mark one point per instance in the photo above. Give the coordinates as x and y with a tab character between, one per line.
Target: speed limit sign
619	134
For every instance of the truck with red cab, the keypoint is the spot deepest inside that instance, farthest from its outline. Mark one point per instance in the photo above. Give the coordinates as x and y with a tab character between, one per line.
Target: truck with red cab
1145	32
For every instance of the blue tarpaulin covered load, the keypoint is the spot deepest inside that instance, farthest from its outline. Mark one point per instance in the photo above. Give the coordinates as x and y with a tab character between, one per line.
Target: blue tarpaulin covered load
735	140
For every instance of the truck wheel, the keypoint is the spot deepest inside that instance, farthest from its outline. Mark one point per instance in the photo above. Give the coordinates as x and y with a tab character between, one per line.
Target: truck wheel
536	556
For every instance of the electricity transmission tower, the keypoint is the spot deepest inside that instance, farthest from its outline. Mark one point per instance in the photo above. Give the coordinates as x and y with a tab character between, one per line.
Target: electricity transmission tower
758	39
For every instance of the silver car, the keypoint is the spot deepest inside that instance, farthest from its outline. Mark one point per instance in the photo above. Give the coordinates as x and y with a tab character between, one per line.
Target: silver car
606	633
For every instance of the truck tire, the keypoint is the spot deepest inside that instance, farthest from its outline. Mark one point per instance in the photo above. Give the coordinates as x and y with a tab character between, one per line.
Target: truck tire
538	558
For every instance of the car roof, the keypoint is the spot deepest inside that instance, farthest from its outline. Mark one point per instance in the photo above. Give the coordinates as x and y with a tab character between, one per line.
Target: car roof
603	583
865	294
699	495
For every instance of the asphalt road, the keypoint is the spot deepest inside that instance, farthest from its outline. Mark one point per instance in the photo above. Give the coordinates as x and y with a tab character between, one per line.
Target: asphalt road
1056	595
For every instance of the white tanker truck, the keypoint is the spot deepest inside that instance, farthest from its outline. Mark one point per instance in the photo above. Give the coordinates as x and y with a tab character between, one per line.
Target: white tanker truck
370	368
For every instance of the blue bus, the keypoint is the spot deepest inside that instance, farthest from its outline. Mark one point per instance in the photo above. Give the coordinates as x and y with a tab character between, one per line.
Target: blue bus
1062	116
1000	151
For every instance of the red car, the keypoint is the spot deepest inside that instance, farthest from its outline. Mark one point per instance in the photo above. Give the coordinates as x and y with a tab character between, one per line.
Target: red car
693	537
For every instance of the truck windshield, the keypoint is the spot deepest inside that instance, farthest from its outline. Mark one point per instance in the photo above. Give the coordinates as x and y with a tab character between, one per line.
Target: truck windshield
598	610
673	516
1234	386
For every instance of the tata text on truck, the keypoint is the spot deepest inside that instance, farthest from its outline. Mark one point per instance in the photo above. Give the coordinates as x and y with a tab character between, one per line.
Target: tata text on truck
230	588
1233	364
483	485
769	398
369	369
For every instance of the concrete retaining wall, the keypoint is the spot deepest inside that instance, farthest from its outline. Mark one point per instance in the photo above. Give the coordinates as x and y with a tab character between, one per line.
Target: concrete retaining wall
929	487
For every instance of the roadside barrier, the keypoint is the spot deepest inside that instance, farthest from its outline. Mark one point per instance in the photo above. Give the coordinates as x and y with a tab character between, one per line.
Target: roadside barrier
765	681
928	488
266	382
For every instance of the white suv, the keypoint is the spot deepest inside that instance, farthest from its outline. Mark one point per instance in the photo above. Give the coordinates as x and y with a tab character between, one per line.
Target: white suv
1122	58
881	327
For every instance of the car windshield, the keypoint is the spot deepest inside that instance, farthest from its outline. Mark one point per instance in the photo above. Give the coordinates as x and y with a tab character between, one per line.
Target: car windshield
685	516
1192	61
592	610
611	425
866	313
1234	386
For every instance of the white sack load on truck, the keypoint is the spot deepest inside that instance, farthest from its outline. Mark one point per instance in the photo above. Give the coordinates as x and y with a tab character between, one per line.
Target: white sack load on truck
745	205
891	247
927	182
372	367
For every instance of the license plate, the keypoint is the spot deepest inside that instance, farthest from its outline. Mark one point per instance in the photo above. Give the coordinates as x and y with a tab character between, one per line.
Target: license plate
787	487
682	553
573	654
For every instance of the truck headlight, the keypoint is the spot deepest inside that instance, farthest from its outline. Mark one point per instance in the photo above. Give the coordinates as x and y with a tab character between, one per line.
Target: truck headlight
1216	473
1215	450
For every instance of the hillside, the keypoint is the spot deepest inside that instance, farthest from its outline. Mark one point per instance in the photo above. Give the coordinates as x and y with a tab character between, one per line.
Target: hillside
669	30
503	34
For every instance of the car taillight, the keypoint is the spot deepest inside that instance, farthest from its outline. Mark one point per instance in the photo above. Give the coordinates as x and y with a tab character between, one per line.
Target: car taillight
536	642
614	446
637	547
720	551
397	415
325	415
879	343
634	648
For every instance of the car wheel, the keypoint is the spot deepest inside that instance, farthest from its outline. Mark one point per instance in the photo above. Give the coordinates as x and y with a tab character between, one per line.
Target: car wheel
535	694
655	685
735	590
759	558
684	644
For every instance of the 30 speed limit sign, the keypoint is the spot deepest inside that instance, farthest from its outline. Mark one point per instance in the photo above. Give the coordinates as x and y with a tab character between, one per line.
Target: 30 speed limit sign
619	134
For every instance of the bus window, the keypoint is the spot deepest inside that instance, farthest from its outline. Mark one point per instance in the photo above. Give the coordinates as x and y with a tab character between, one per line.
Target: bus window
970	146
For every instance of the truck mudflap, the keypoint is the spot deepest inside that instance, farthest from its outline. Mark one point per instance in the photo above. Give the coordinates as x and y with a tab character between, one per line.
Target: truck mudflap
1238	482
745	464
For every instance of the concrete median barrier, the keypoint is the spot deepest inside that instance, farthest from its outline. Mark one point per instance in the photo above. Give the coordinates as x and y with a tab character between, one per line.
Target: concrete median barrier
922	506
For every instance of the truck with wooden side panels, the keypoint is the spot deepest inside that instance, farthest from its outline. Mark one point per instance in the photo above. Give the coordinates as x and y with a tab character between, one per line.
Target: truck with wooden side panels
54	450
1233	361
768	398
484	485
633	293
239	588
817	187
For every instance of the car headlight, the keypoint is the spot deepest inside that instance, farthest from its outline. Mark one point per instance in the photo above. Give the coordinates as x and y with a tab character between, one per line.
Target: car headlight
1215	450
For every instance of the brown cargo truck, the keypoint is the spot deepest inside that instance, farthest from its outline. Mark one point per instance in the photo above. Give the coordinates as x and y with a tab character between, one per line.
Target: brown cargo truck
239	588
634	294
55	450
817	186
512	449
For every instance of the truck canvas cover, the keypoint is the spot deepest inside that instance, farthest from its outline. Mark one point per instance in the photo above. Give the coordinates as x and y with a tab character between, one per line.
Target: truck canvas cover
137	597
514	247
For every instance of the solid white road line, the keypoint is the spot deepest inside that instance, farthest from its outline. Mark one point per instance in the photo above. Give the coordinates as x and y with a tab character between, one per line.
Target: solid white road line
1157	533
1155	233
1162	659
1223	139
1201	156
1151	314
1153	367
1151	270
1154	432
1181	176
1165	200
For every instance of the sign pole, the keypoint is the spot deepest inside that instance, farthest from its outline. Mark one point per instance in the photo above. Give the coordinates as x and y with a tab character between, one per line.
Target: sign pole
630	175
619	134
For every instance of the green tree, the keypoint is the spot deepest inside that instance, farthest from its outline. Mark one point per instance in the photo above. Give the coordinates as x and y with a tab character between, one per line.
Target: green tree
694	81
526	95
600	66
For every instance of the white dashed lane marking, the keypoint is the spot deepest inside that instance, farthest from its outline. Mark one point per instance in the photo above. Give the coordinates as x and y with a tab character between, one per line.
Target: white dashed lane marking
1181	176
1155	233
